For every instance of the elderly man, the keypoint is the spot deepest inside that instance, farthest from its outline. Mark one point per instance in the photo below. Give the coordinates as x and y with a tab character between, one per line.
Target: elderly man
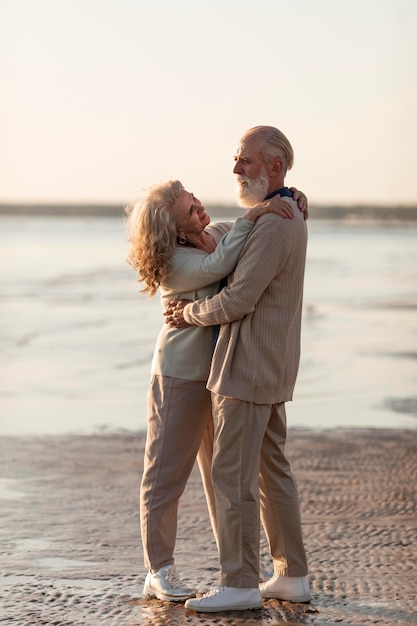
253	373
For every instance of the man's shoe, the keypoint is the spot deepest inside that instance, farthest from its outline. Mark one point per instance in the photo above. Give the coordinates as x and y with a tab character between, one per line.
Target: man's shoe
166	585
292	589
226	599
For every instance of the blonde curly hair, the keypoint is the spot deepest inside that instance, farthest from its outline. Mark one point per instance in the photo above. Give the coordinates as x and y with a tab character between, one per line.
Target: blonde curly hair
152	234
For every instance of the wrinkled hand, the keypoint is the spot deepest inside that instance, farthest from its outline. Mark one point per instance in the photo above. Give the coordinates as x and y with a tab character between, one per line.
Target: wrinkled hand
279	206
301	200
174	314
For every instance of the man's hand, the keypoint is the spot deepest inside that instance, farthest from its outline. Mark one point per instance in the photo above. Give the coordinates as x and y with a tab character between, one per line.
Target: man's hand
174	314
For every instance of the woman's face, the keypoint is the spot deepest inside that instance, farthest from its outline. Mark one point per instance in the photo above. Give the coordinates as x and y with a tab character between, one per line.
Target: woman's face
191	215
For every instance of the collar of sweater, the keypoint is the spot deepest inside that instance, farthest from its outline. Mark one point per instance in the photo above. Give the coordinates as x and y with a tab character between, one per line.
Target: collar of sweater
284	191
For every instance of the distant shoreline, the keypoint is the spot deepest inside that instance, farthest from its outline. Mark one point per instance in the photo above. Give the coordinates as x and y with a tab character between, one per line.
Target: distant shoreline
399	213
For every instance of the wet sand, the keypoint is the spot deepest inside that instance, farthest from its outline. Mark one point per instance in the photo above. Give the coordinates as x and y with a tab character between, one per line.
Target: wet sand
71	551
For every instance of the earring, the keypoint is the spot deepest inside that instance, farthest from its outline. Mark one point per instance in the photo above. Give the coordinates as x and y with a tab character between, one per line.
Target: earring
182	239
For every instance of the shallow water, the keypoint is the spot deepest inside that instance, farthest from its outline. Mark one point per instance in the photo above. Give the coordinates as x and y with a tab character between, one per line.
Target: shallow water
77	337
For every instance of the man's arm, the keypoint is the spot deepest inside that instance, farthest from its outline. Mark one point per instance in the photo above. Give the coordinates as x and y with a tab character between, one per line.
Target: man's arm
262	258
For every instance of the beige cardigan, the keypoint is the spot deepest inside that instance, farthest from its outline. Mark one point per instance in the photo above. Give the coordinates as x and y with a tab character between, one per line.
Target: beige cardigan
257	354
186	352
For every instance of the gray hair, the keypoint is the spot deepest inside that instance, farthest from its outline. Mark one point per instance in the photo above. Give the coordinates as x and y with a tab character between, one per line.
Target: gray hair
152	234
274	144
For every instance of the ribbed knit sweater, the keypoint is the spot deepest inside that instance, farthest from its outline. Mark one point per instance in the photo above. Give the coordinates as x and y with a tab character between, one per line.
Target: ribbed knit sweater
258	350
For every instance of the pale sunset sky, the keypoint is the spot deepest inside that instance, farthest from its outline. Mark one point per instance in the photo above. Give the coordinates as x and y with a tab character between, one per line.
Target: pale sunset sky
102	98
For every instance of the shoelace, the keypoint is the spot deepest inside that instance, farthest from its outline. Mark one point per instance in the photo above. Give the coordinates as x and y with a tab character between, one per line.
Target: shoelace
214	592
173	579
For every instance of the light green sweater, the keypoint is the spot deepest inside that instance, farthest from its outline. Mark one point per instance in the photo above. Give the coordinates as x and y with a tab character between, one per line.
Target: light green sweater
186	352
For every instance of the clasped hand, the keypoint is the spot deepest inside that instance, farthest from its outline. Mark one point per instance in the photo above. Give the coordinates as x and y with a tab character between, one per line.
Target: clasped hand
174	314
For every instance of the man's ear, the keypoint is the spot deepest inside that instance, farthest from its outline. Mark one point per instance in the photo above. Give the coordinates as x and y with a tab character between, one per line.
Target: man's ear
274	167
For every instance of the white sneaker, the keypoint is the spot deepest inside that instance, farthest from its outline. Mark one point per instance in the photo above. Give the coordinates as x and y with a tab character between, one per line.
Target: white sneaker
166	585
290	588
226	599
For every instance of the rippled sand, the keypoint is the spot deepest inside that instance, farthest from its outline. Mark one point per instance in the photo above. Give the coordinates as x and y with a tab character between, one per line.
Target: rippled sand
71	551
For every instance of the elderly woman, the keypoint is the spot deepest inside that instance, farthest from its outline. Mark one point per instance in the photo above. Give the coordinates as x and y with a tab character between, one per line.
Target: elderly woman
174	247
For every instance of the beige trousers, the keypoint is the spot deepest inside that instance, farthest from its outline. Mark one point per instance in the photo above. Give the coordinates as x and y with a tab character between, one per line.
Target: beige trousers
252	479
180	427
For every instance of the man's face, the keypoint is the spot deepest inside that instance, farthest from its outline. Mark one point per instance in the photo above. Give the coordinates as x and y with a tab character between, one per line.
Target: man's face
251	176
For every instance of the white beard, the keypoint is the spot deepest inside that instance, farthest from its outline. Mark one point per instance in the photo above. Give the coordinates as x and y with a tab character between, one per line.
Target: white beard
253	191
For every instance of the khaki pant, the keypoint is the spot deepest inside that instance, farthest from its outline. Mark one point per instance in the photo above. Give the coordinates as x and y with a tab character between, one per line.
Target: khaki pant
253	478
179	426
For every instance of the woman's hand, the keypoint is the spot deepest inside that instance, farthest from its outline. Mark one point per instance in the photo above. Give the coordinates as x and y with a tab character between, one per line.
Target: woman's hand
274	205
174	314
279	206
301	200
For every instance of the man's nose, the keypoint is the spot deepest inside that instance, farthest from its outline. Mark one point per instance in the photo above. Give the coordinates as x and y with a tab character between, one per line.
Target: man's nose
237	169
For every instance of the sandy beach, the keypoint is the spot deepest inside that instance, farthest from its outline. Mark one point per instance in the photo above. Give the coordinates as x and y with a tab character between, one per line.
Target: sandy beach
71	551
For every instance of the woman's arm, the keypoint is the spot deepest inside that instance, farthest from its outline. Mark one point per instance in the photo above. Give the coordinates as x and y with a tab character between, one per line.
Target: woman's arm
193	270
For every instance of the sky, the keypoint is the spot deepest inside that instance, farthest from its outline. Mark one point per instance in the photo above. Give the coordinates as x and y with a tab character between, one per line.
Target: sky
99	99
